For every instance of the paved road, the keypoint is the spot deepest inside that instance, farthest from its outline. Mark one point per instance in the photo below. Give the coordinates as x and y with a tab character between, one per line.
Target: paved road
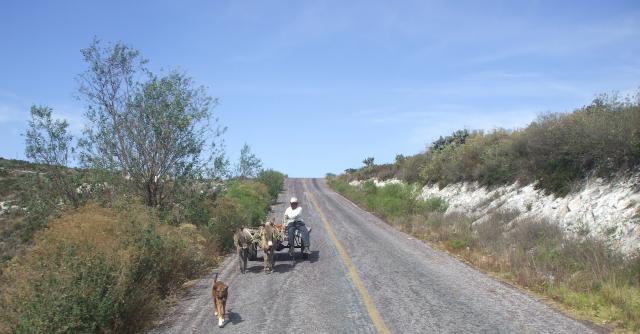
363	277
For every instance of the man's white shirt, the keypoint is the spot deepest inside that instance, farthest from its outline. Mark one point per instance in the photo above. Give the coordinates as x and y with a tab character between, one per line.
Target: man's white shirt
291	215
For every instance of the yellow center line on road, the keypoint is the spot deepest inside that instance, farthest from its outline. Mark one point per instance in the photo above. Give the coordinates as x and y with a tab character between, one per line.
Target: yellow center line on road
357	282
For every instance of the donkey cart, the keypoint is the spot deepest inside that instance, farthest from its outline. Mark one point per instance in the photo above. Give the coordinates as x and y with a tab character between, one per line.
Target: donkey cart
269	238
297	241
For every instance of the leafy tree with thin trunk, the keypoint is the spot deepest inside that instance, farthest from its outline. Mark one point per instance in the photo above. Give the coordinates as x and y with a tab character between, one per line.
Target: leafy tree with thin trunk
154	129
49	143
249	165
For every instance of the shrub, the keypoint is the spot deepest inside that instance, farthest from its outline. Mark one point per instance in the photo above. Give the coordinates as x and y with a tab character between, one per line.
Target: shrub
389	201
342	187
556	150
98	270
190	202
409	168
227	216
385	172
457	138
252	197
244	203
39	203
490	232
433	204
392	200
194	209
273	180
435	222
461	236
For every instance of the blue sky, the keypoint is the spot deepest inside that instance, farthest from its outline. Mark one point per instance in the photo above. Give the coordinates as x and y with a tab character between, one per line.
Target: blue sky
317	86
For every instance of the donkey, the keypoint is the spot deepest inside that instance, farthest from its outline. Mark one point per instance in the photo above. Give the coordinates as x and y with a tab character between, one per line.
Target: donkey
242	239
267	243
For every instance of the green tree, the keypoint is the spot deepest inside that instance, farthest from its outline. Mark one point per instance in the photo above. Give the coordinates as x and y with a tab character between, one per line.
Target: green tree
273	180
49	143
151	128
47	140
368	162
221	167
457	138
249	165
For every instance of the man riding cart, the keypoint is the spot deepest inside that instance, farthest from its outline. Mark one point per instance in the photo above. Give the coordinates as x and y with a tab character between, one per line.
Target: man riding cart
292	222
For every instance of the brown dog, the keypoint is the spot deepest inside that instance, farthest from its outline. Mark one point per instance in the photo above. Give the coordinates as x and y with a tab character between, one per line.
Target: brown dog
219	293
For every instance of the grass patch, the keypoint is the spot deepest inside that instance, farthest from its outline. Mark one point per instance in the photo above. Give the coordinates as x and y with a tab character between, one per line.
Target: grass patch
391	201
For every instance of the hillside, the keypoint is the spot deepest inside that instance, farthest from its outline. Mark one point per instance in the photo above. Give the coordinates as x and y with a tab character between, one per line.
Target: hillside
553	207
577	169
15	175
557	151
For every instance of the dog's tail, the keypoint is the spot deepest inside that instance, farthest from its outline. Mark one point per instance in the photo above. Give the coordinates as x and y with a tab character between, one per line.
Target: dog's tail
215	279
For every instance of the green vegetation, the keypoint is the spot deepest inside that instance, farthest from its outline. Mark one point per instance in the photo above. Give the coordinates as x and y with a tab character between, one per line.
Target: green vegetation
151	128
150	208
36	186
584	275
273	180
391	201
249	166
555	151
99	270
245	203
108	265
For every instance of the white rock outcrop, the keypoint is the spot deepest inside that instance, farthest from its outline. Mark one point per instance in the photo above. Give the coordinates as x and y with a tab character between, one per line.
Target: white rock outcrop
376	182
601	209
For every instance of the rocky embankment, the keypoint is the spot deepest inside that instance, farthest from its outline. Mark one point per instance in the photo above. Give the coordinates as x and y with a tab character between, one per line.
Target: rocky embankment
604	209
